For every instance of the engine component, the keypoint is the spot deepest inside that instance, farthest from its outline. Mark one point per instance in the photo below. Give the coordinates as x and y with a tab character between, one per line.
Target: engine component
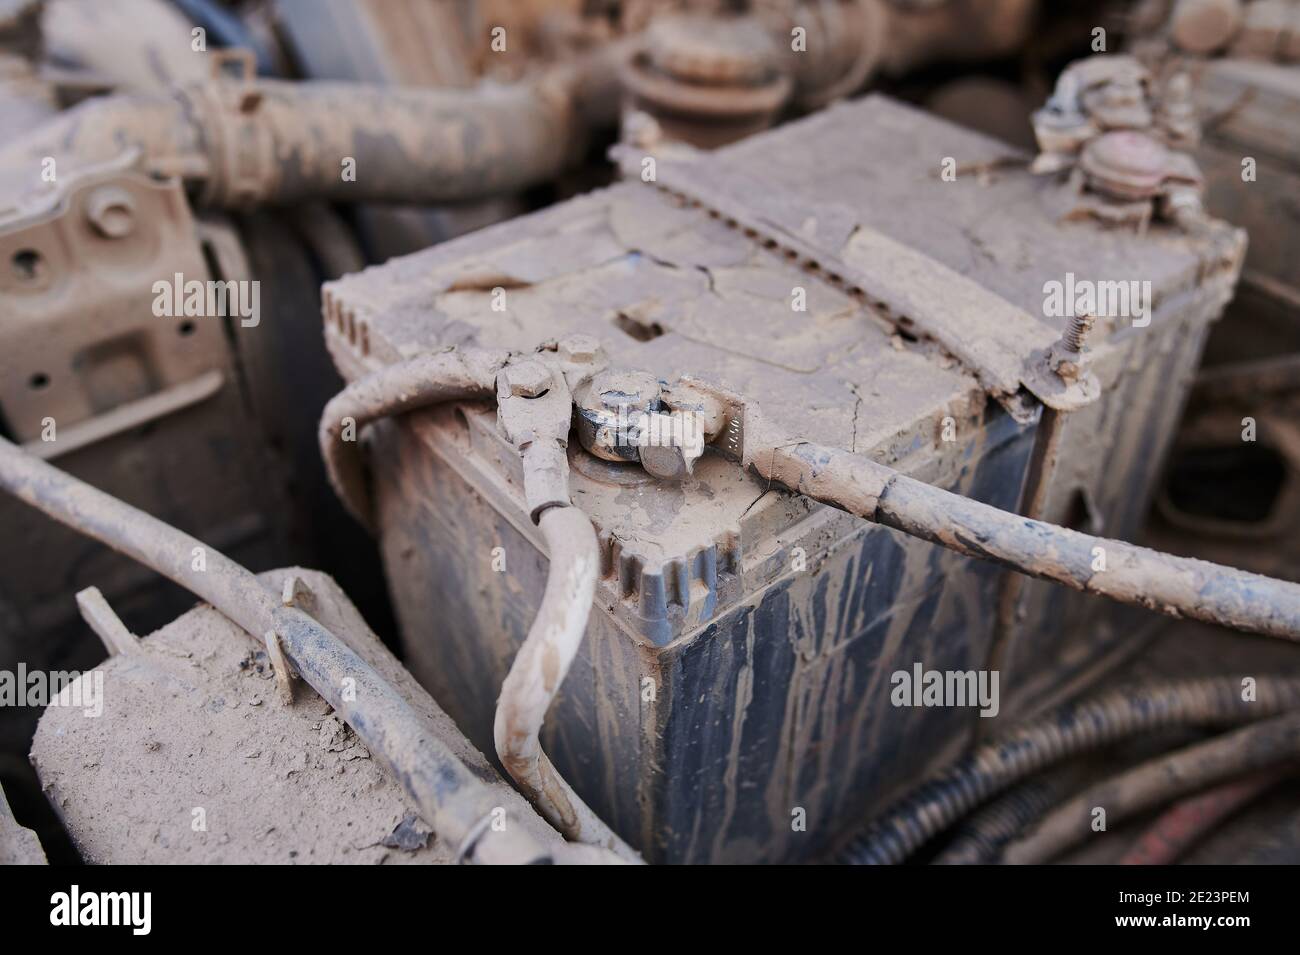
447	792
243	141
707	80
296	784
1262	746
731	675
674	658
1239	424
104	369
980	840
1123	145
1077	728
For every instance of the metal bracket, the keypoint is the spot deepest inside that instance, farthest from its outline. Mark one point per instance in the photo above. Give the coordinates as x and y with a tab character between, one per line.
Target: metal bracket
284	673
1003	361
296	593
108	626
124	417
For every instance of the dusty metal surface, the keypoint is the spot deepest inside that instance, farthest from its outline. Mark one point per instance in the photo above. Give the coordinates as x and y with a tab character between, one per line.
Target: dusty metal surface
998	237
133	230
136	784
18	845
708	80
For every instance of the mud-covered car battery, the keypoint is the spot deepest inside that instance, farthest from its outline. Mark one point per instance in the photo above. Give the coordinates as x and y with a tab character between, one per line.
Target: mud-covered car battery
732	700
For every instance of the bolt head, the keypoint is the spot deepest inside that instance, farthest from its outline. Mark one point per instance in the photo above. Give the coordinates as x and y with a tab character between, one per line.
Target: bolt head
635	391
1069	370
670	444
528	379
611	403
111	212
1126	164
580	349
666	462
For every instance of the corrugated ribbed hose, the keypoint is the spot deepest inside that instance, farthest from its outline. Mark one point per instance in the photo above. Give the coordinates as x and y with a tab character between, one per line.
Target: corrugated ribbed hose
1260	746
981	838
1078	728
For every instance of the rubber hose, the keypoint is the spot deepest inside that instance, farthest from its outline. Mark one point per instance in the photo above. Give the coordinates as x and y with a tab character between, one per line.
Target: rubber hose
1076	728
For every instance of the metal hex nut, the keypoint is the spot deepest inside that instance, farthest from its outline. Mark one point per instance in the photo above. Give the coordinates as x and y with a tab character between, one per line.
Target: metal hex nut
528	379
636	392
579	349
